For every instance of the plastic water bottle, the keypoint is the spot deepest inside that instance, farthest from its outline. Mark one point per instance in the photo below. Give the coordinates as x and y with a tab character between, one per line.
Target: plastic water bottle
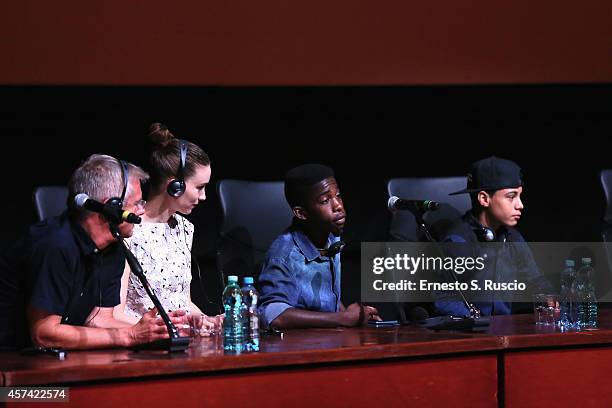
234	322
583	293
590	300
251	297
577	299
565	298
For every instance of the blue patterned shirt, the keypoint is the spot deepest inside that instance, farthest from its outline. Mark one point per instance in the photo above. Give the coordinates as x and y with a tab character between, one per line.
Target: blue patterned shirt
296	275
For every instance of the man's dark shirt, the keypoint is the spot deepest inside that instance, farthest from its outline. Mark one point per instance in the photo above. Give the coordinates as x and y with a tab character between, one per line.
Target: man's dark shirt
56	268
505	261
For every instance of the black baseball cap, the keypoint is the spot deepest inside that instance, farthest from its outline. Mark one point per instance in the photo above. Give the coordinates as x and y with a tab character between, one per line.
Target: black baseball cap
492	173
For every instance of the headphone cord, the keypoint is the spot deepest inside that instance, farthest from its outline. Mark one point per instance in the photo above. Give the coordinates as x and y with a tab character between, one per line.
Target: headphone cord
194	259
99	301
217	307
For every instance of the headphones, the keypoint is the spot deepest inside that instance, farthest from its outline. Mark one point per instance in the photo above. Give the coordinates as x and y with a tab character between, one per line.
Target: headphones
485	234
176	187
116	201
333	249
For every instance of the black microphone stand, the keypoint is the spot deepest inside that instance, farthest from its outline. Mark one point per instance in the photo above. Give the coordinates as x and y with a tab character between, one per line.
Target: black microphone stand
473	310
175	342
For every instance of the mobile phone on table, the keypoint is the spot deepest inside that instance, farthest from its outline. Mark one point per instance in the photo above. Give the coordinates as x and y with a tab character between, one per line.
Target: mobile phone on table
383	323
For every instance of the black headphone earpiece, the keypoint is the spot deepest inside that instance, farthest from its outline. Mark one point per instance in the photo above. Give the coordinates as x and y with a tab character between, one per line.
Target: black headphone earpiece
486	234
335	248
116	201
176	186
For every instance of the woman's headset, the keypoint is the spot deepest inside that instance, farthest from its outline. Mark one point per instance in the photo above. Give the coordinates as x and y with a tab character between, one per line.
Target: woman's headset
176	187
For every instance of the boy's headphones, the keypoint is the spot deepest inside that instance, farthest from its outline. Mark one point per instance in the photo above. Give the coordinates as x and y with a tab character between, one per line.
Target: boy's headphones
116	201
176	187
333	249
485	234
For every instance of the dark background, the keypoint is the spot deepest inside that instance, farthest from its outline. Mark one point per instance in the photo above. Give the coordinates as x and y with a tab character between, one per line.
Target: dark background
558	133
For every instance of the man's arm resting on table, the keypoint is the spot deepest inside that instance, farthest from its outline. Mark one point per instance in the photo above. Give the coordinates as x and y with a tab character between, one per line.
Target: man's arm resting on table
46	330
103	318
353	315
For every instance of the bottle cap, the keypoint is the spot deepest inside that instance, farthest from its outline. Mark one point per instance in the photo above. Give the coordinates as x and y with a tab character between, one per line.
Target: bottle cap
570	262
232	278
248	280
586	260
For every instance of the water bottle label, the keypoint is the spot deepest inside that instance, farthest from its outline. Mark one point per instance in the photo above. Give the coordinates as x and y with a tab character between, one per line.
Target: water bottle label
254	326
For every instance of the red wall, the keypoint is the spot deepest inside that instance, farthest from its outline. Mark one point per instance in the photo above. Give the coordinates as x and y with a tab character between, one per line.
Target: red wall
290	42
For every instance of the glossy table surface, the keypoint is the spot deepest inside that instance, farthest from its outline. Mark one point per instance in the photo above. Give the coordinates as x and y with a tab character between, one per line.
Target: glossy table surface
297	348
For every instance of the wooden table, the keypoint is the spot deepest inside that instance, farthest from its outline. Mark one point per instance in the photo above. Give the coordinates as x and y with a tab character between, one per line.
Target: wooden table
513	364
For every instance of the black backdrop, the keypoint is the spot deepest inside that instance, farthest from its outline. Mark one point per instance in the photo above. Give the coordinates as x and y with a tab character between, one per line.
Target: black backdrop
558	134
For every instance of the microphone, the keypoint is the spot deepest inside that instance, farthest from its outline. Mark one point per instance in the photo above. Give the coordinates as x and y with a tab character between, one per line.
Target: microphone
396	203
112	212
175	342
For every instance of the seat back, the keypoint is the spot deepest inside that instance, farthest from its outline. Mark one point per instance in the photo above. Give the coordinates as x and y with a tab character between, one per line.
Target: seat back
254	214
606	183
606	230
49	201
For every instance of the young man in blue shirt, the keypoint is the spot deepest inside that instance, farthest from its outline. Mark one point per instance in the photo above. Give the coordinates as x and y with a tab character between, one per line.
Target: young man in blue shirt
300	280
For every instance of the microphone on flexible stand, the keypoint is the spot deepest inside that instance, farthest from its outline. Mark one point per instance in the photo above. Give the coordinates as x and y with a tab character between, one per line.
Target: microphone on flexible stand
175	342
472	322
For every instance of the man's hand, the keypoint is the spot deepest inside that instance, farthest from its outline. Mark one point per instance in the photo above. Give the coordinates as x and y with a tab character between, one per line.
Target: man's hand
358	314
371	314
151	327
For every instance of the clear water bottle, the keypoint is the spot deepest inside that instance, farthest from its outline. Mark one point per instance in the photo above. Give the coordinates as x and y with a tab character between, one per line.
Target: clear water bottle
590	299
251	297
583	295
234	335
565	298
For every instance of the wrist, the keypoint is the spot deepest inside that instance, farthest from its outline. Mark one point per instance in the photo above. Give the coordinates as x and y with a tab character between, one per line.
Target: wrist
347	319
126	337
362	315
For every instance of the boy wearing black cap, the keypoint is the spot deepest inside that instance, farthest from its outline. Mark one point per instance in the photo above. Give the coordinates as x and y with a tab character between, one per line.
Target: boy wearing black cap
495	186
300	280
